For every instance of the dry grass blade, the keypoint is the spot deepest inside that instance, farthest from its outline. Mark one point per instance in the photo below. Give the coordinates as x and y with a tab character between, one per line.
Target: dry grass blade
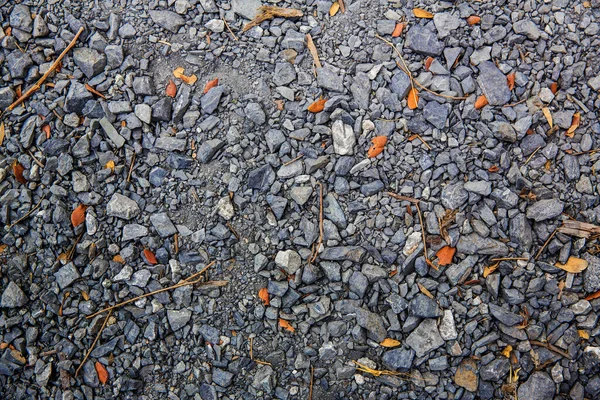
269	12
38	84
317	247
2	133
342	6
229	29
313	50
29	212
93	344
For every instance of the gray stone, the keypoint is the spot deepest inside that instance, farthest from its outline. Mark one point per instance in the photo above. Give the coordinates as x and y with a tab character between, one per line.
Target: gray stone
66	275
475	244
591	275
571	167
531	143
343	138
225	208
210	101
77	97
221	377
133	231
504	131
18	64
545	209
493	84
425	338
261	178
482	188
422	306
342	253
293	40
505	198
143	86
277	204
13	296
255	113
398	359
264	379
333	211
454	196
167	19
122	207
372	322
445	23
436	114
143	112
277	288
289	260
178	318
111	132
215	25
358	284
594	83
163	225
162	109
208	149
301	194
246	8
327	79
423	40
7	96
539	386
506	317
447	326
114	56
520	231
284	74
361	90
496	370
20	18
40	28
528	28
157	175
89	61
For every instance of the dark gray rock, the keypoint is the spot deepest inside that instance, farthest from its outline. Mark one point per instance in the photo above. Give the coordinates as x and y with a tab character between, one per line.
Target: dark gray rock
66	275
398	359
358	284
545	209
591	275
178	318
7	96
167	20
89	61
222	378
210	101
18	64
284	74
122	207
163	225
506	317
208	149
475	244
162	109
520	231
372	322
13	296
255	113
425	338
436	114
424	40
77	97
422	306
454	196
342	253
261	178
539	386
493	84
20	18
327	79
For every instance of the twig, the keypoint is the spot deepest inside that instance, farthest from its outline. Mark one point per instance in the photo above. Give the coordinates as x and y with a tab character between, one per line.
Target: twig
38	162
532	154
316	250
252	356
72	250
94	343
312	373
551	347
29	212
270	12
229	29
232	230
422	140
591	151
510	259
515	104
48	353
130	167
545	244
191	280
164	42
38	84
313	50
579	103
293	160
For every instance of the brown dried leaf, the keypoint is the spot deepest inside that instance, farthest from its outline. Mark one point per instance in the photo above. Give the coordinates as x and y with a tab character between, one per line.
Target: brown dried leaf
279	104
494	168
574	124
119	258
263	294
506	351
3	247
379	143
573	265
18	170
171	89
510	80
110	165
428	62
413	99
335	7
286	325
583	334
210	84
420	13
548	116
389	342
481	102
85	296
190	80
424	290
398	29
554	87
150	257
317	106
78	215
445	255
2	133
466	375
489	269
473	19
593	296
102	373
46	129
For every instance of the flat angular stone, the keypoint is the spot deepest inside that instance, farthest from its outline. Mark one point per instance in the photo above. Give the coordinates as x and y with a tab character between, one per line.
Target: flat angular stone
111	132
13	296
545	209
539	386
342	253
178	318
329	80
163	225
475	244
122	207
425	338
372	322
493	84
66	275
398	359
423	40
167	19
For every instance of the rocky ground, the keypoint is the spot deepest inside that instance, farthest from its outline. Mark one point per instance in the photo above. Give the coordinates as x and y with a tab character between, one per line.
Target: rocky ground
114	184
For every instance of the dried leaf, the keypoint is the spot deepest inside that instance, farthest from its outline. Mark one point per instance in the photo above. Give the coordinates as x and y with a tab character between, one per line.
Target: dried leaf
3	247
94	91
398	29
489	269
428	62
473	19
110	165
593	296
279	104
466	375
583	334
85	296
445	255
389	342
263	294
335	7
313	50
102	373
18	170
506	351
317	106
171	89
178	73
119	258
481	102
150	257
547	165
46	130
424	290
78	215
420	13
574	124
286	325
413	99
548	116
269	12
573	265
379	143
210	84
510	80
2	133
554	87
587	4
494	168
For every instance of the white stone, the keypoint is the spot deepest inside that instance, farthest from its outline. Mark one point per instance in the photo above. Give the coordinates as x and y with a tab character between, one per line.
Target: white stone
225	208
343	138
447	327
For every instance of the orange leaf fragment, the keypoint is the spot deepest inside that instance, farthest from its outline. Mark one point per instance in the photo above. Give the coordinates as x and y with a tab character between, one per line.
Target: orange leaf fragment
94	91
573	265
78	215
18	170
424	290
19	91
3	247
335	7
510	80
574	124
398	29
389	342
190	80
473	20
554	87
110	165
46	130
413	99
420	13
102	373
150	257
119	258
379	143
317	106
286	325
210	84
445	255
593	296
428	62
481	102
493	168
8	31
263	294
2	132
279	104
171	89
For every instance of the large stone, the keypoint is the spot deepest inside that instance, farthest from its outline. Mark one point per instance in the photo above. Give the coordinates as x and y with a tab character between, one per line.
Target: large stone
261	178
425	338
111	132
343	138
13	296
447	326
342	253
289	260
454	196
66	275
446	22
77	97
284	74
210	101
20	18
18	64
436	114
89	61
475	244
504	316
246	8
539	386
398	359
545	209
167	19
528	28
422	306
133	231
493	84
178	318
372	322
520	231
163	225
591	275
329	80
122	207
423	40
